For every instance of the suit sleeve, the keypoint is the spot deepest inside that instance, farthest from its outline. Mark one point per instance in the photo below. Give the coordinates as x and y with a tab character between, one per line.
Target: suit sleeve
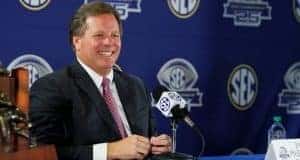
50	115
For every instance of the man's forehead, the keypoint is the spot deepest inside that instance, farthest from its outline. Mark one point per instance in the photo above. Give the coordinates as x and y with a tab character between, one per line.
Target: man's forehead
102	21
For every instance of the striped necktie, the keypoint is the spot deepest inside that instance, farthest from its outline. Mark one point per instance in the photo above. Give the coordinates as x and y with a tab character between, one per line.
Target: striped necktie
112	106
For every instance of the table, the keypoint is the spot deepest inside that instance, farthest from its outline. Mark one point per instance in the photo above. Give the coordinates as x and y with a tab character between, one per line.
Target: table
235	157
238	157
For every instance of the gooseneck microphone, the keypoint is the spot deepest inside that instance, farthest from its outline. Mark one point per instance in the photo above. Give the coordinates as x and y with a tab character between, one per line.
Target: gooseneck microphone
173	106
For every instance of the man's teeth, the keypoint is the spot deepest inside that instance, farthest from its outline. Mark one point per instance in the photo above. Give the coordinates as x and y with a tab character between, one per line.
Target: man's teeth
106	53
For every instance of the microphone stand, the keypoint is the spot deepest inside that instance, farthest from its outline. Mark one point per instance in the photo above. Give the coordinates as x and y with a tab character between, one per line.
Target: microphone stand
174	155
174	132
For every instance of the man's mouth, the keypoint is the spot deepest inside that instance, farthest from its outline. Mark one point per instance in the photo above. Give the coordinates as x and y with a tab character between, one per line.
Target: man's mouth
106	53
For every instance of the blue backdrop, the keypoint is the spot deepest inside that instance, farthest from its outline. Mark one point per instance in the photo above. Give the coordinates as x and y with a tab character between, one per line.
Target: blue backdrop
237	62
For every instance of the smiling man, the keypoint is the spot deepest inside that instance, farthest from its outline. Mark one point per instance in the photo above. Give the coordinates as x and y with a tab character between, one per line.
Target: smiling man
90	110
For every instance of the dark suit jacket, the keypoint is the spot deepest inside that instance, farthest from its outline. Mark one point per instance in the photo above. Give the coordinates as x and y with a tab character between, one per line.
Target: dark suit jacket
66	109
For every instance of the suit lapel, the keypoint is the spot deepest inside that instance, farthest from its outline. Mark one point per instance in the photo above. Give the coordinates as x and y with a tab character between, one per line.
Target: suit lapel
86	84
126	95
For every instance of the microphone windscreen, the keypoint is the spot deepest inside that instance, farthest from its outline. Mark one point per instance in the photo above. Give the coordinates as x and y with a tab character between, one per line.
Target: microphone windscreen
156	93
179	113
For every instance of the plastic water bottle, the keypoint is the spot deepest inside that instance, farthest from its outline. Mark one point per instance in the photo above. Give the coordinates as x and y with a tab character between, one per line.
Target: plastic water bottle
277	130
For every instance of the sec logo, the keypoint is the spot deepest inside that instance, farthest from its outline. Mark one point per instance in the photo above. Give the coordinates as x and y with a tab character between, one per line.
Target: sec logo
242	87
183	8
36	66
296	9
180	75
34	5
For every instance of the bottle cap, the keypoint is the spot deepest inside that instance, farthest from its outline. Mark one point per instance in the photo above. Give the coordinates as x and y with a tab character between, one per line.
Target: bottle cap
277	118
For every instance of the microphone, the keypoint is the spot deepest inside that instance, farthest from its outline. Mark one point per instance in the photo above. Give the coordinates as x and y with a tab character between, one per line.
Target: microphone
172	105
168	101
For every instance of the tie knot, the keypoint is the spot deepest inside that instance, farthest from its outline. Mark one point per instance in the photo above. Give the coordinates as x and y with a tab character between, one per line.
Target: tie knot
105	82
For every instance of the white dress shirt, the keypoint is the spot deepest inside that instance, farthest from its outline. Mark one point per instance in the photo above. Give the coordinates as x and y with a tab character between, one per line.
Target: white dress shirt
100	149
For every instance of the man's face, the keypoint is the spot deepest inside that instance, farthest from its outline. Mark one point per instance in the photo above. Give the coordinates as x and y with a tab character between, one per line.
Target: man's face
99	46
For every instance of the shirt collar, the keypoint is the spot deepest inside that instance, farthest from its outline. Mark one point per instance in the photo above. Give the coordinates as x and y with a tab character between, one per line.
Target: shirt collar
97	79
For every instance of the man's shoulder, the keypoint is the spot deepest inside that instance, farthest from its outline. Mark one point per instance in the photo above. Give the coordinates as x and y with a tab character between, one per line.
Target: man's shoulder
130	80
57	77
127	76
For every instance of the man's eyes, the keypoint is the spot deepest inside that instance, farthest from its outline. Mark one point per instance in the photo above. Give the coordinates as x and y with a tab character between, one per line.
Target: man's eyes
98	35
114	35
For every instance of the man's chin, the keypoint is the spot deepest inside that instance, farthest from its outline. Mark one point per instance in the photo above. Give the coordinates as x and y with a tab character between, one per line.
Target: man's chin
107	67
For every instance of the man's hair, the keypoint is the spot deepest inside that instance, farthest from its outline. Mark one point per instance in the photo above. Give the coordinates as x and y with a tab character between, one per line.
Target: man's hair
78	24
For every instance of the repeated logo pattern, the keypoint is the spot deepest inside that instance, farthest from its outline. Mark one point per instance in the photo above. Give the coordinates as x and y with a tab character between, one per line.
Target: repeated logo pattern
296	9
183	8
180	75
247	13
37	66
35	5
124	7
242	87
290	97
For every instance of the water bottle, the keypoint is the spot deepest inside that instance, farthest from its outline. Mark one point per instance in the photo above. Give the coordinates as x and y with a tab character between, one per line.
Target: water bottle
277	130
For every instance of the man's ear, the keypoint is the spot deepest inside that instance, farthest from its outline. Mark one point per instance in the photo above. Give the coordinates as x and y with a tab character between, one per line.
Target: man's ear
76	42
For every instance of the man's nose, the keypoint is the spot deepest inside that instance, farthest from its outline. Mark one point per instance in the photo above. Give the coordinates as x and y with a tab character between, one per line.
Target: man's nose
107	40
